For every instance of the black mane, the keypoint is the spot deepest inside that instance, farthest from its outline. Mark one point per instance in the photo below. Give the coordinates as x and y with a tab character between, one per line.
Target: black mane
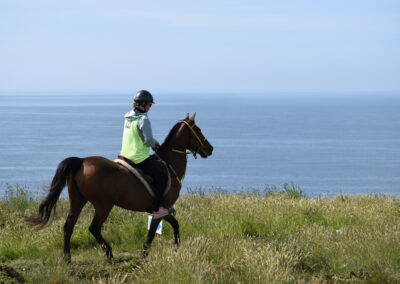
171	133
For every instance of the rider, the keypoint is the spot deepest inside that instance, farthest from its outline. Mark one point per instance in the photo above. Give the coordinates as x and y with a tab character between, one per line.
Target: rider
136	142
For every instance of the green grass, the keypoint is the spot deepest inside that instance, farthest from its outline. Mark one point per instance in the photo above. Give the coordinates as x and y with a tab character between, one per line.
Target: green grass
261	237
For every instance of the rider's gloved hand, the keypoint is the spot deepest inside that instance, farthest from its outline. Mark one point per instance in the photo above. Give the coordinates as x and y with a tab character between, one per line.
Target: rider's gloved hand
156	146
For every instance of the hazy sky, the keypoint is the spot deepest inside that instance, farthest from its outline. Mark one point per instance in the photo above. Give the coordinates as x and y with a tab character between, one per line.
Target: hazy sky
200	46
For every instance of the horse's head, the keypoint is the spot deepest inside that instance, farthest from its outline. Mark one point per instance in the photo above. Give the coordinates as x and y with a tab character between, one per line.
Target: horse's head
197	143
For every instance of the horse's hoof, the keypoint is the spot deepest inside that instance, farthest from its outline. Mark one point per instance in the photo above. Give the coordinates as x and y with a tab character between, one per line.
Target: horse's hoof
67	259
145	253
110	257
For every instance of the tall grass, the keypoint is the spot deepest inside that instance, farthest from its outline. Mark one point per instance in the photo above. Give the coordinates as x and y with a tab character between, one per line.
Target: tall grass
277	235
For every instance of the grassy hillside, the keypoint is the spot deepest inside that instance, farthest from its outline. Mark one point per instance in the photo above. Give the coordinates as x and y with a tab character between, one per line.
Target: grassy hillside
278	236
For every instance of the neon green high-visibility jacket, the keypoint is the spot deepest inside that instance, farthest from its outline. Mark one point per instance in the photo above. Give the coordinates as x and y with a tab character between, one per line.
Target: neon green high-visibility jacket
137	137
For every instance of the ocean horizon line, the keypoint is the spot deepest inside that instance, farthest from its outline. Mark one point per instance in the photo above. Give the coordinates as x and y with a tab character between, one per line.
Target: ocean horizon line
218	94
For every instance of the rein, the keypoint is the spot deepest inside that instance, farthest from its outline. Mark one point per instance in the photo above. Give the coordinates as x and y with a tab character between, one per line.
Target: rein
180	152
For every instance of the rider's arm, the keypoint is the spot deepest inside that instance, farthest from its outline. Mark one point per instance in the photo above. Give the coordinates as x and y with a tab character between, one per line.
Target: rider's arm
145	132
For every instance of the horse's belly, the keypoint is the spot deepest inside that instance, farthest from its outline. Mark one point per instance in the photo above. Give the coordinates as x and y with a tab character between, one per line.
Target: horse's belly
132	200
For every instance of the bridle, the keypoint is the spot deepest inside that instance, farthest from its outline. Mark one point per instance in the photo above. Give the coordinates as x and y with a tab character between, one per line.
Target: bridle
201	141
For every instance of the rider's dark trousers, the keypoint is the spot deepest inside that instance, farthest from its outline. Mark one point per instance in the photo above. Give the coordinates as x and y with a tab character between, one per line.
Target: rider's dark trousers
159	174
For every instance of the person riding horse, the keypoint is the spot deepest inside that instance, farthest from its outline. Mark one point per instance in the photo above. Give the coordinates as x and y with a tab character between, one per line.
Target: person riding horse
105	184
136	142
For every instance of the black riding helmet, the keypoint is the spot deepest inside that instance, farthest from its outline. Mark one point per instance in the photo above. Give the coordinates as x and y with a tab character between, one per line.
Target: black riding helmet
144	96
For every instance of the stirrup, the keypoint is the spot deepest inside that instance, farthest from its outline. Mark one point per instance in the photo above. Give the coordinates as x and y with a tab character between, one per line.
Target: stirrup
162	212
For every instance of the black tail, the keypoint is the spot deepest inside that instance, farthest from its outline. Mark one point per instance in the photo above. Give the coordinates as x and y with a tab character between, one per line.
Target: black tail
64	170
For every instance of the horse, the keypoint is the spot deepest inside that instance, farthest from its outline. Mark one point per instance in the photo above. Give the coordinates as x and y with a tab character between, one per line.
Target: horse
105	183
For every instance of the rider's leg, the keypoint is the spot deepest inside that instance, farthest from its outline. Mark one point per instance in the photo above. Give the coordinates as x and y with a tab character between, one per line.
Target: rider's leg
159	174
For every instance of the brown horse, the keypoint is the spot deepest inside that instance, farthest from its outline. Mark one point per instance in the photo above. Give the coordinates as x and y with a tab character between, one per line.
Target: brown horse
105	183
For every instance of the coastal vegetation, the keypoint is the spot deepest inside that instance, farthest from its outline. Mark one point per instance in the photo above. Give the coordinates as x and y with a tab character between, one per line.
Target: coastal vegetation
273	235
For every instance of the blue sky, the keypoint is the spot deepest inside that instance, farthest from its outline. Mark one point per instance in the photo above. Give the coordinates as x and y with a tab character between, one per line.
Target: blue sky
200	46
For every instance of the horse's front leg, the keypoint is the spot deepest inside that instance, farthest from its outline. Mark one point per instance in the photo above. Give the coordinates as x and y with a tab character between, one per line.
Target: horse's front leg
150	235
175	225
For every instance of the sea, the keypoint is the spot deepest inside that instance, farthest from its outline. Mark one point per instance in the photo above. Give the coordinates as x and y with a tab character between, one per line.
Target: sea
324	144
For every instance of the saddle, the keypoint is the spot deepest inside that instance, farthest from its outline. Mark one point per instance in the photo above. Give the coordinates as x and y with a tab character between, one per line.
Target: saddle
145	179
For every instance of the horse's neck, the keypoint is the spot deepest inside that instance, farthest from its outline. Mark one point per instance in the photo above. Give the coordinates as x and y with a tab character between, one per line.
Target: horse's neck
177	162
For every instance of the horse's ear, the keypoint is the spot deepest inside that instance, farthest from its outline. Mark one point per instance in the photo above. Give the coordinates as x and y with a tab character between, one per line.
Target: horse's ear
186	117
193	117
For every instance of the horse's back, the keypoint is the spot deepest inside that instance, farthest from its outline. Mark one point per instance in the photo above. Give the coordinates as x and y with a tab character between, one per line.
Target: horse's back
97	165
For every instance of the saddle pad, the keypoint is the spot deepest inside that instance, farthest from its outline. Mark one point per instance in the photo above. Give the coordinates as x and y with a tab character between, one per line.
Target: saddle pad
141	178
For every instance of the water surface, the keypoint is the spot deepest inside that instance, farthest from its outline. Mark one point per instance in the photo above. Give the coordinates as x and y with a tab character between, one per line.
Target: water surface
337	145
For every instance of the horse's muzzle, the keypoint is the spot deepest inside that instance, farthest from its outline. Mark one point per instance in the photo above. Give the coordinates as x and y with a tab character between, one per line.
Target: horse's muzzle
206	151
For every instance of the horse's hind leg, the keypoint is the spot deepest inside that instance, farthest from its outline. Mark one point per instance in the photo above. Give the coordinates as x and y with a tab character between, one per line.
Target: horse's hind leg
77	201
95	228
175	225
